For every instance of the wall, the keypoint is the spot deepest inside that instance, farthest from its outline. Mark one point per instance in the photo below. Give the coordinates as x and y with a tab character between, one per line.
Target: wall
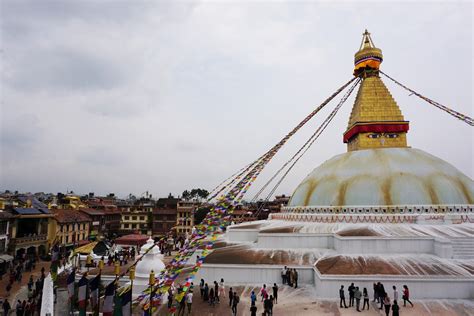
250	274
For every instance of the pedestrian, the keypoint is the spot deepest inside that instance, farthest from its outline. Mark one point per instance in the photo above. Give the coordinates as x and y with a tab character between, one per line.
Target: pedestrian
395	309
266	306
30	283
288	277
406	296
253	309
351	290
222	288
19	308
170	298
386	303
231	296
395	293
6	307
275	292
206	293
182	307
342	297
212	298
235	301
382	294
216	291
189	301
253	297
283	275
295	278
271	304
357	296
365	294
201	288
263	292
376	289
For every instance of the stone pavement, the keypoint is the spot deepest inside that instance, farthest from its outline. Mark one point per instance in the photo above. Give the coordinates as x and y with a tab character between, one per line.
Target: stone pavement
24	281
301	302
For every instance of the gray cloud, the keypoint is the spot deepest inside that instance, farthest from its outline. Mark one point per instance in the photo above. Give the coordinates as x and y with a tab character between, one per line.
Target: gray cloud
121	96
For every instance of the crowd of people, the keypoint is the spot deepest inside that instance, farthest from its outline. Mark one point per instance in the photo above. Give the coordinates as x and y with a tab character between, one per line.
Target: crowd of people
289	276
32	305
381	297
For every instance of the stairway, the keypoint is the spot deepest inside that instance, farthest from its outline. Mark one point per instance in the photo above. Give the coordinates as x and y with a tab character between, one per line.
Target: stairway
463	248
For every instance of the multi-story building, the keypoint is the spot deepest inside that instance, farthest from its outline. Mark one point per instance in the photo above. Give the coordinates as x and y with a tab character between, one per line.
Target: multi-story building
31	230
97	225
136	219
112	215
4	228
185	216
164	215
71	227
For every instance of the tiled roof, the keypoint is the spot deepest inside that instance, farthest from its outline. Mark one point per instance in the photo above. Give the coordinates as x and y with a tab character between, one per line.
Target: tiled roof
70	216
91	211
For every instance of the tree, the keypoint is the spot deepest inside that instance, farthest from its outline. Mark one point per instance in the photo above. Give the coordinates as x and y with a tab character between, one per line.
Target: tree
198	194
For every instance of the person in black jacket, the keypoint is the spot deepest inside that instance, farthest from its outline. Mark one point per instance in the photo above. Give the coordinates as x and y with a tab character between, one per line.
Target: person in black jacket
351	290
342	297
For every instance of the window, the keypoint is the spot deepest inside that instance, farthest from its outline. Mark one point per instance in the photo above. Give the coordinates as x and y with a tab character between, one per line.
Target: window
126	218
134	218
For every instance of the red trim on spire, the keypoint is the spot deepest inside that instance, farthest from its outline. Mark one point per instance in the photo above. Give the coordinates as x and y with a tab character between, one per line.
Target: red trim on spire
378	127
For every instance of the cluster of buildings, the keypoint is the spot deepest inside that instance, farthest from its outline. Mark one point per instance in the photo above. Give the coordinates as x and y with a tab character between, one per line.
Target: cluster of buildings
31	223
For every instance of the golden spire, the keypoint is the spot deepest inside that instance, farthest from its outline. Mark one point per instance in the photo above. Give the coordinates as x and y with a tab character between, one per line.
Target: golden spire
376	120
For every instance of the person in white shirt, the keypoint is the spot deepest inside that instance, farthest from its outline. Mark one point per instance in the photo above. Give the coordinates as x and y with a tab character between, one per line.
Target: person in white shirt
283	275
189	301
395	293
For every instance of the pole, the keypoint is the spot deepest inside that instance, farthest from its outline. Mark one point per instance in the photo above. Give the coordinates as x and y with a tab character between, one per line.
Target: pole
132	277
101	266
151	282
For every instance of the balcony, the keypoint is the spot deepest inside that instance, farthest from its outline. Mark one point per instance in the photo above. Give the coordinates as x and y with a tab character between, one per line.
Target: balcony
29	240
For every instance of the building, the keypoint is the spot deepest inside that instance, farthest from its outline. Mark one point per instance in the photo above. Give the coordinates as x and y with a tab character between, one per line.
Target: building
380	212
185	216
164	215
71	227
5	218
112	215
97	225
31	227
136	219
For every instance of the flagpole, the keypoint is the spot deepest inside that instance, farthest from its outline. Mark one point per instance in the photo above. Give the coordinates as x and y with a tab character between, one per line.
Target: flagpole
151	282
132	277
101	266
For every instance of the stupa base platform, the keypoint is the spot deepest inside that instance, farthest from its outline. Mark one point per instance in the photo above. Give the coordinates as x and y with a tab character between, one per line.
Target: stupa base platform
438	257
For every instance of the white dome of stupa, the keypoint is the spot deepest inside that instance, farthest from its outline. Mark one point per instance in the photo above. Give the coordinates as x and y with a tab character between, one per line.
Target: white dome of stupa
153	260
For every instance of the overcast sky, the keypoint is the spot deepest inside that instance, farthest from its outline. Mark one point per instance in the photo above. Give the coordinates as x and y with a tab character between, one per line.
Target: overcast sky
130	96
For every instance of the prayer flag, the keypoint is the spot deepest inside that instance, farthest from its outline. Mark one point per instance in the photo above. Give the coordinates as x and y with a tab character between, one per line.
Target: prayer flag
126	301
108	308
94	287
70	283
82	295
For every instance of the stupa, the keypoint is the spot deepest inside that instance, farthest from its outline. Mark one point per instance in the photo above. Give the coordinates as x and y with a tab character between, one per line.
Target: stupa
382	211
151	261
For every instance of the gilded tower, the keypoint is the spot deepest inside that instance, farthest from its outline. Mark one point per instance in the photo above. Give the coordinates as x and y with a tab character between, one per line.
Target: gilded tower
376	120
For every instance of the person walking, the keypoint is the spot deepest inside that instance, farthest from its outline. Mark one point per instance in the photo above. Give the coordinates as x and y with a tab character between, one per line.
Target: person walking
395	293
206	293
231	297
351	290
212	298
19	308
357	296
288	277
222	288
189	301
253	297
376	290
275	292
382	294
266	306
216	291
263	292
296	278
201	288
365	294
395	309
283	275
271	304
406	296
235	302
342	297
253	309
386	303
6	307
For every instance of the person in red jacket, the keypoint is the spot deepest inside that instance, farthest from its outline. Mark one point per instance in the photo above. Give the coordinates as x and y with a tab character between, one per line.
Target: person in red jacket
406	296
